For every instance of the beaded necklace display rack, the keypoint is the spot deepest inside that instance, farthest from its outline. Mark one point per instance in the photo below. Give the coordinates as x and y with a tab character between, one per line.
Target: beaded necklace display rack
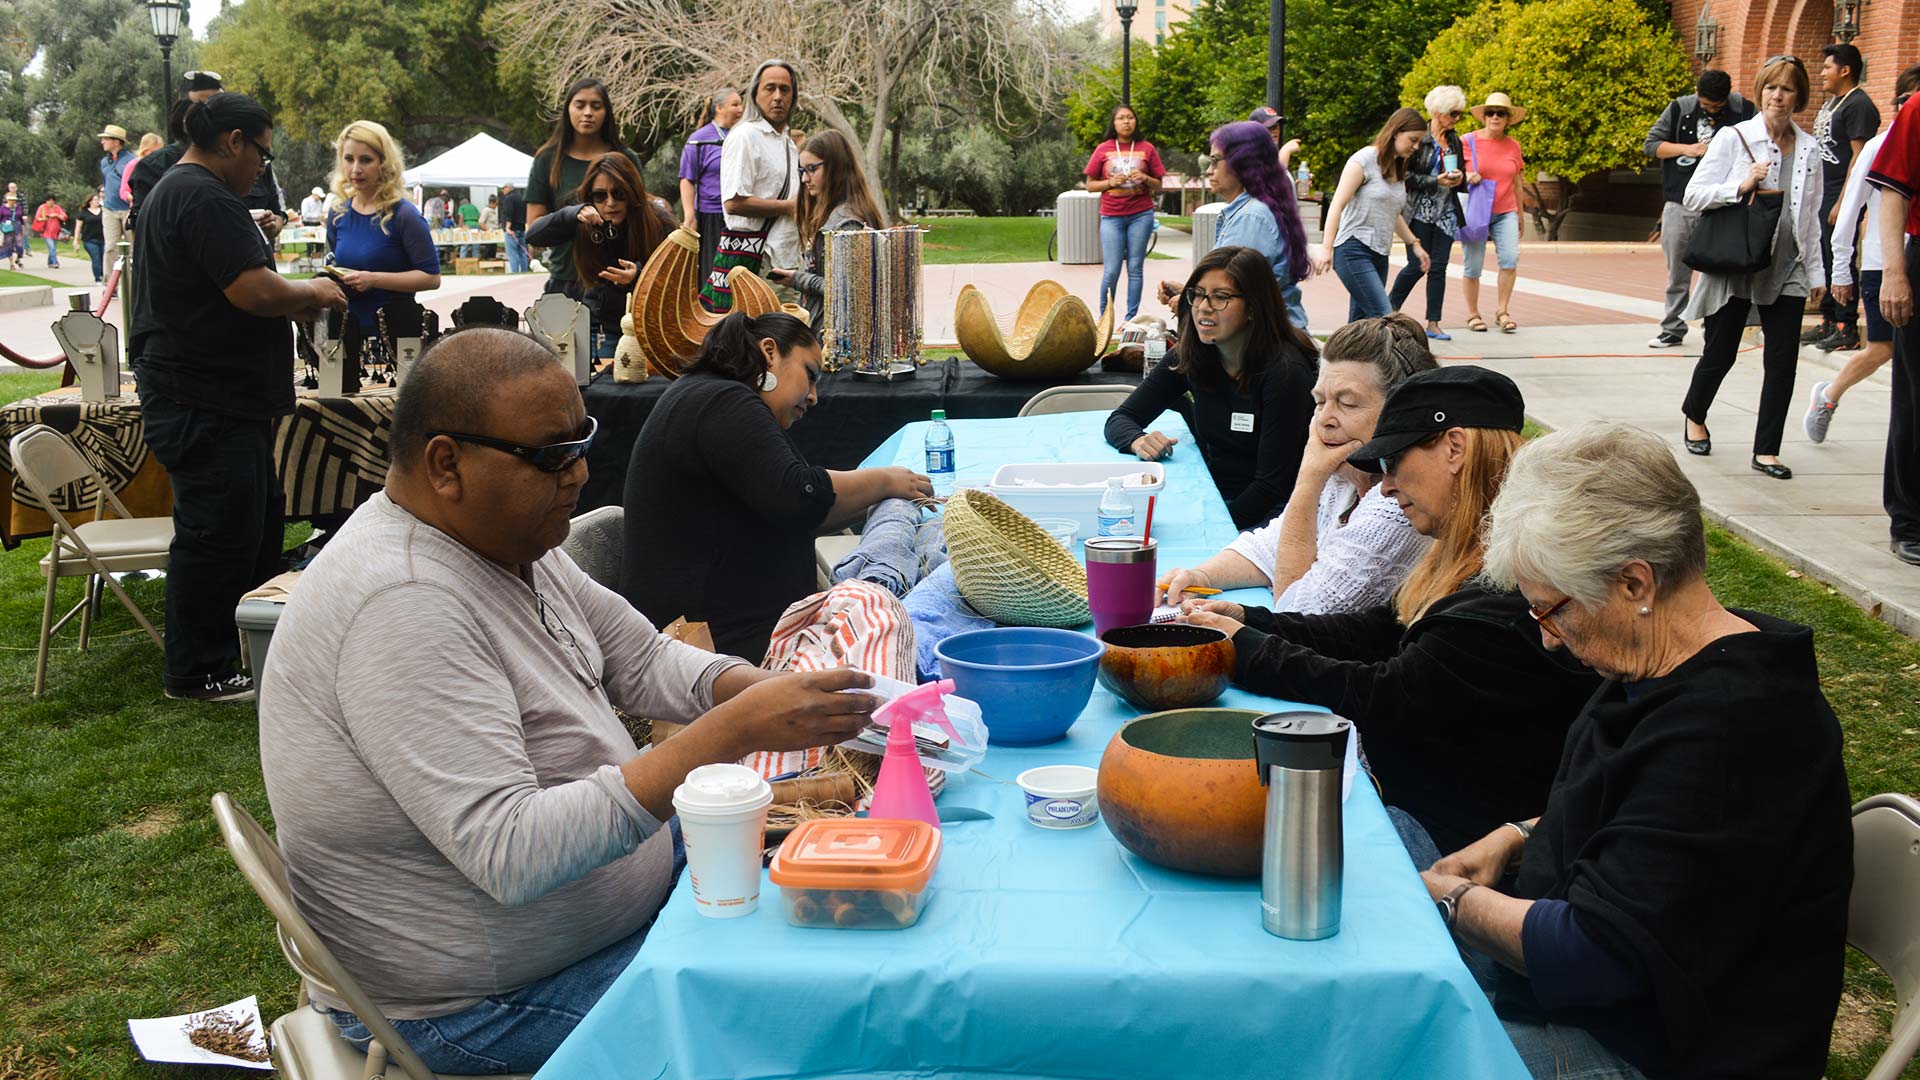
874	322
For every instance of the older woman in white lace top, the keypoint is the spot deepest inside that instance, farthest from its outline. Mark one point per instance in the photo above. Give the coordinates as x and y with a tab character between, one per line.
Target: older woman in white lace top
1339	544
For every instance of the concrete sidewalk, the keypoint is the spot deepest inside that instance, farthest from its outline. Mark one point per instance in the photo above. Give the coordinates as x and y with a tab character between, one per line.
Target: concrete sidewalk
1826	522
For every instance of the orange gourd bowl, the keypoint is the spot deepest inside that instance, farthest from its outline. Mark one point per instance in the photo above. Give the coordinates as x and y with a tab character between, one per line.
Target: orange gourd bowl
1181	789
1160	666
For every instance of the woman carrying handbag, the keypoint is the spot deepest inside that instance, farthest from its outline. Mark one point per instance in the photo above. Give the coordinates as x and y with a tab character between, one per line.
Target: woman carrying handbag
1753	171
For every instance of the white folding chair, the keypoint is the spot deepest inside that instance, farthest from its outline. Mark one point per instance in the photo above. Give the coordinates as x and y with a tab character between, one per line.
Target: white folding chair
1065	399
827	553
305	1044
1883	914
597	543
46	462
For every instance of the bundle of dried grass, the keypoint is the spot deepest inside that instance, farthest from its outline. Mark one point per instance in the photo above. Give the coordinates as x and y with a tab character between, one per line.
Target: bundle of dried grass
222	1032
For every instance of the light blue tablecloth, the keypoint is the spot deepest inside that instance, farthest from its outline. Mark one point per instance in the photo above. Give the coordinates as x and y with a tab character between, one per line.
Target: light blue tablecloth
1060	954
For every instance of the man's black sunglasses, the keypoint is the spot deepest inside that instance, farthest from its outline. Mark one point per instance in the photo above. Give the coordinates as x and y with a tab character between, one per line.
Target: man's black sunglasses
553	457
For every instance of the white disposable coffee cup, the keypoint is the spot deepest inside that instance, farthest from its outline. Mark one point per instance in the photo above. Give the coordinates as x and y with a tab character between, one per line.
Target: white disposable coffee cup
723	816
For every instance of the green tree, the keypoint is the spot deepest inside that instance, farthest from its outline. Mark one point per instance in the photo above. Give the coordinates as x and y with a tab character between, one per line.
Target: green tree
1591	74
424	68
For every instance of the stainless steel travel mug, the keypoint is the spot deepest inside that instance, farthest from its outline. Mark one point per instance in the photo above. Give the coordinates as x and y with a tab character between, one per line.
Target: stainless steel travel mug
1301	756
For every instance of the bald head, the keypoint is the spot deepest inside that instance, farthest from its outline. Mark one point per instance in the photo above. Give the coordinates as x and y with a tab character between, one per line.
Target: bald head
456	383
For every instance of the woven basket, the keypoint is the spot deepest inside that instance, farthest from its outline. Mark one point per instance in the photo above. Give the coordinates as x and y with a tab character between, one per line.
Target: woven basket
1008	568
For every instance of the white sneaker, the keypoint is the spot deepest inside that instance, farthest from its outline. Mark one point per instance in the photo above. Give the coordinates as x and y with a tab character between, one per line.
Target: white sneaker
1819	414
1664	340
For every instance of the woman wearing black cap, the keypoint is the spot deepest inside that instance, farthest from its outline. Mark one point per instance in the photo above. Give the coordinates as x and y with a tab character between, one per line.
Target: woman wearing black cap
1461	710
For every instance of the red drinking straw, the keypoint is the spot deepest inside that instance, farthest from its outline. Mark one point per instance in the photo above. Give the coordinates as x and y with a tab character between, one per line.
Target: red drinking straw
1148	533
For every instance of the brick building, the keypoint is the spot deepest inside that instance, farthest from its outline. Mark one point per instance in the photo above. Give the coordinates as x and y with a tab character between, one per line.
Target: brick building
1738	35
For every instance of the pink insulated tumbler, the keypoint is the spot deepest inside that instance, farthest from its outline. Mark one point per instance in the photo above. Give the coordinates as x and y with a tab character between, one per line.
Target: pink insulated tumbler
1120	576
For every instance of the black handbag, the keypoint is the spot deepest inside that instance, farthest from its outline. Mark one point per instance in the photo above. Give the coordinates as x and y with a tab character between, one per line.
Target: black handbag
1737	238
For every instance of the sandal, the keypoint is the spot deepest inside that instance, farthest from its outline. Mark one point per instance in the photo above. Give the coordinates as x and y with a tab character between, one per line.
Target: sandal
1507	325
1476	324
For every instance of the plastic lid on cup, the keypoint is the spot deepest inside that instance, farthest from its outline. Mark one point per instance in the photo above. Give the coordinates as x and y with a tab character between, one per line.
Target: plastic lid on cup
720	789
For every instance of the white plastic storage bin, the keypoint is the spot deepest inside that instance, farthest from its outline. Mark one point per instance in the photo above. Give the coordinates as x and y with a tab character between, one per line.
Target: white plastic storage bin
256	620
1066	489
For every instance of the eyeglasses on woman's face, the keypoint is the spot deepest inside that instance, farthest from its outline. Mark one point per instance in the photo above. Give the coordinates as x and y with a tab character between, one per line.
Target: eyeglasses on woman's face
1213	301
1545	618
809	170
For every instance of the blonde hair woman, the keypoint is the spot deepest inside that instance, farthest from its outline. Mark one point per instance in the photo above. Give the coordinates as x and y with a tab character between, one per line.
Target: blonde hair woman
380	243
1460	707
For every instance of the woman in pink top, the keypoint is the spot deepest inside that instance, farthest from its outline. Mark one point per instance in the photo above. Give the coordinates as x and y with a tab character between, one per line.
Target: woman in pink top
1496	156
47	222
1126	171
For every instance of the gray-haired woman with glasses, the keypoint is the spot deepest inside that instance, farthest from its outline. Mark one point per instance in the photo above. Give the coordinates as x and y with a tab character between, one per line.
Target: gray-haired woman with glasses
1242	378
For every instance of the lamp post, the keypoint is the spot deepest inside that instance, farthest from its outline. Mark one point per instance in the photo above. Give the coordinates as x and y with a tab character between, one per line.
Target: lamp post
1706	36
1846	19
1125	9
165	16
1277	65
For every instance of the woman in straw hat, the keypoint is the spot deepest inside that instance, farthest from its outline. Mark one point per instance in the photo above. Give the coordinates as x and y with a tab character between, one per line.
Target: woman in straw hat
1495	155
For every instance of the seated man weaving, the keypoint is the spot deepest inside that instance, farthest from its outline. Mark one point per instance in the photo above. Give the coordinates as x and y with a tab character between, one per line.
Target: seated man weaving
464	819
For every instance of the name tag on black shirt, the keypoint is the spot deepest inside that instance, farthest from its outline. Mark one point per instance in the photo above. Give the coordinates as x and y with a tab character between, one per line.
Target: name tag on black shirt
1241	421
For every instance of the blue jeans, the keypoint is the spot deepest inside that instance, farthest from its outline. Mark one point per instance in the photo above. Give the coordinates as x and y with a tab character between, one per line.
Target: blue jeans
1438	244
517	1031
1364	272
1551	1051
517	260
1124	237
1504	231
53	250
96	250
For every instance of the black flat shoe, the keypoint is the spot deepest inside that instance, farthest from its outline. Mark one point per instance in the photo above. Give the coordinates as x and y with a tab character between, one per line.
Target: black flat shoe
1703	447
1775	470
1907	551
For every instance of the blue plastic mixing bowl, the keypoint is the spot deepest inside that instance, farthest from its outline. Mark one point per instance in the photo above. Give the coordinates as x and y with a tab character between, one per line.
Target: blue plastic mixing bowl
1031	683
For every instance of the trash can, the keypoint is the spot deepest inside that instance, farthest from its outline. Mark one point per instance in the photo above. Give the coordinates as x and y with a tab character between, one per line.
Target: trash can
1205	220
1076	217
256	620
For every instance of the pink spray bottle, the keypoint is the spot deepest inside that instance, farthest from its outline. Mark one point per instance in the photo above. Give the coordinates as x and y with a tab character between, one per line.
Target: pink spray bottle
901	792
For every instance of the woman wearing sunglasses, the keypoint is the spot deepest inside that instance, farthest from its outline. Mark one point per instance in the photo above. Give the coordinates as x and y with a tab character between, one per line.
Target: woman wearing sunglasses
1769	159
608	235
722	510
381	243
1496	154
1460	708
1680	907
833	195
1241	375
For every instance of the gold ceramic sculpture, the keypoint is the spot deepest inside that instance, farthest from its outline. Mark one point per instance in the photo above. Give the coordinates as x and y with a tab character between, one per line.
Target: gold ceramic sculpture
669	322
1054	335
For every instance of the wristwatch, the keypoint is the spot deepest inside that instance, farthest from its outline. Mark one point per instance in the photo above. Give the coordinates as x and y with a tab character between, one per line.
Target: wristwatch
1449	905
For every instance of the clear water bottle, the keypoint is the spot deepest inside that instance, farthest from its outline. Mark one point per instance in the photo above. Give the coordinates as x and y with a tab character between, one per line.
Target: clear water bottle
1153	350
940	454
1116	510
1301	178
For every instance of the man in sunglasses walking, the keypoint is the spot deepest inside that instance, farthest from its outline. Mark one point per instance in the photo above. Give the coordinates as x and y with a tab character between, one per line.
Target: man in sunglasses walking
466	823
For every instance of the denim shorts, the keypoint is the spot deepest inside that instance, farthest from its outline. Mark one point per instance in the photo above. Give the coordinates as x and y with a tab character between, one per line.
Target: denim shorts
1504	231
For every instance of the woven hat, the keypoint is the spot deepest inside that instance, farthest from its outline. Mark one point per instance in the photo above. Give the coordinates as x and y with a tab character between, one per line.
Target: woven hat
1008	568
1498	100
113	131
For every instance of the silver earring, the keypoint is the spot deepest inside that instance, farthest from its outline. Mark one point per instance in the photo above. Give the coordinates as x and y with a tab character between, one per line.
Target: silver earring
1646	611
769	382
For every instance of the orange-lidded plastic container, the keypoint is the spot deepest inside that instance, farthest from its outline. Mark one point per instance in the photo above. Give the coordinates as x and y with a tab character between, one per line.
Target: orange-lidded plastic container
857	873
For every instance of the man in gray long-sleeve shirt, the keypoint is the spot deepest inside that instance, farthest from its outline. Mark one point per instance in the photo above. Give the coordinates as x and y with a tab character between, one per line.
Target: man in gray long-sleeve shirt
465	822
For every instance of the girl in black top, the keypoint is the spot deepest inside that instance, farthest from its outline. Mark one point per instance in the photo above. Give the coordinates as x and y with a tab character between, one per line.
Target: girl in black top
92	235
1243	381
585	129
612	227
722	509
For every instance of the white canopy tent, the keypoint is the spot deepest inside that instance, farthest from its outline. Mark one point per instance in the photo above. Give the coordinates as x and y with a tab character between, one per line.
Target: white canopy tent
481	162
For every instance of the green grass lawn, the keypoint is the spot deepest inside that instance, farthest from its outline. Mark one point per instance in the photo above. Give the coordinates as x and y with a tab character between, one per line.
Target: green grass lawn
15	385
990	239
118	900
13	278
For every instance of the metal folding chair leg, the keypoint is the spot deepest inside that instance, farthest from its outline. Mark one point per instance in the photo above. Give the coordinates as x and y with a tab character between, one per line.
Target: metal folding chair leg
46	625
87	611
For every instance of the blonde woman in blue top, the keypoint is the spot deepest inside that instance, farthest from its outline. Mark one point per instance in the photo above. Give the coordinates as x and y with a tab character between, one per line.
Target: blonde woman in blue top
378	240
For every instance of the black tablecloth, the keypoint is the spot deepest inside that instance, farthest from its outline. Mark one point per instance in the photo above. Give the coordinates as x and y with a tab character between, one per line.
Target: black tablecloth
853	417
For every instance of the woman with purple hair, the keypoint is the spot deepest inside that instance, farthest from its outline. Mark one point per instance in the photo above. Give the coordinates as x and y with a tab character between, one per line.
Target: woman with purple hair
1261	211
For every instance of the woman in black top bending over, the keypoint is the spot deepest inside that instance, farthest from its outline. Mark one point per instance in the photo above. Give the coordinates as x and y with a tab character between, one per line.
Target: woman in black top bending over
1242	377
722	509
612	228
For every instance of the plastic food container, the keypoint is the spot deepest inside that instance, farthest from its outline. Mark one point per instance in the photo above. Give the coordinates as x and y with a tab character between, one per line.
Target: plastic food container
1061	796
857	873
1063	530
1073	489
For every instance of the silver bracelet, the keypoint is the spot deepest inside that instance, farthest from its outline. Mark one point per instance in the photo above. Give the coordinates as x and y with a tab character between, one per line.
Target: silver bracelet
1525	830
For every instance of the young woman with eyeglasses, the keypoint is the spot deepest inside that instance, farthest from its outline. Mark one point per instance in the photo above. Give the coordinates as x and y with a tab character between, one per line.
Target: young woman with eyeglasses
381	244
1460	706
608	234
1242	378
833	195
